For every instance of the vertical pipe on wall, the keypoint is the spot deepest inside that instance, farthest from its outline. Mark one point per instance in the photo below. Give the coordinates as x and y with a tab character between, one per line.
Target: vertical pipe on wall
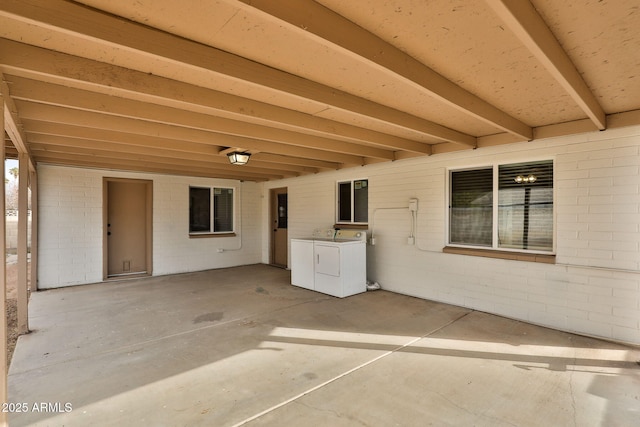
23	218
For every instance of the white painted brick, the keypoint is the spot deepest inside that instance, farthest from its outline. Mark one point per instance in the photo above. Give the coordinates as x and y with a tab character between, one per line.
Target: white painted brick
568	312
614	171
546	318
597	208
595	164
590	327
614	320
630	335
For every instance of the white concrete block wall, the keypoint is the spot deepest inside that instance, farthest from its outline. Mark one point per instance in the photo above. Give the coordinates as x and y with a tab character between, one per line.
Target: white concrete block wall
71	226
593	289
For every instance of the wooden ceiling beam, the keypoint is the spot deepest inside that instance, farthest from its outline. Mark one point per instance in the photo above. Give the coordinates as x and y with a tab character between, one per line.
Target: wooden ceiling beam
122	166
525	22
179	147
312	163
120	161
45	142
48	113
74	98
56	94
145	43
313	18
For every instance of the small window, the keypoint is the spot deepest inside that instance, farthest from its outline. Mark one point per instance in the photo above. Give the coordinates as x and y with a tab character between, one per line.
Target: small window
353	201
519	218
210	210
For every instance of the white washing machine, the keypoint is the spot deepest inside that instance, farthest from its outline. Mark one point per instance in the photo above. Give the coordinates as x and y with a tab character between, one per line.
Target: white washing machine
333	262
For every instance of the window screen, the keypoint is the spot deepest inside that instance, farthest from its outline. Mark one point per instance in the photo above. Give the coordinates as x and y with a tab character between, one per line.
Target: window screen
525	206
223	209
361	201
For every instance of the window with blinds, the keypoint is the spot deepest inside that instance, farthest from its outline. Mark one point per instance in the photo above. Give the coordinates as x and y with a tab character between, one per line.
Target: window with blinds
519	218
210	210
471	212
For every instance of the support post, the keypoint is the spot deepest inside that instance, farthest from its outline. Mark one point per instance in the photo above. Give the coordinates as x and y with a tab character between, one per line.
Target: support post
23	218
3	275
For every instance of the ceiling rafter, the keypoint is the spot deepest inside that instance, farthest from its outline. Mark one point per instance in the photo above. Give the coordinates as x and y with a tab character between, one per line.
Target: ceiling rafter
87	140
221	126
106	30
307	86
125	164
309	16
54	94
157	95
525	22
42	112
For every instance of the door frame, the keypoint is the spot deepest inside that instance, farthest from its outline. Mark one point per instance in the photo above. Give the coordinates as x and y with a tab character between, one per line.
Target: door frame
273	195
148	222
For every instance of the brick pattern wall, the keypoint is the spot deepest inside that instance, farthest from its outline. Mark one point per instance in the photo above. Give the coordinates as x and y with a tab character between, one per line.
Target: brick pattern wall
593	289
71	226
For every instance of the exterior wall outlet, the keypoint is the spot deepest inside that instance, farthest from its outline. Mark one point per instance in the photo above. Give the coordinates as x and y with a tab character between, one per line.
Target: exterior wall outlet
411	240
413	205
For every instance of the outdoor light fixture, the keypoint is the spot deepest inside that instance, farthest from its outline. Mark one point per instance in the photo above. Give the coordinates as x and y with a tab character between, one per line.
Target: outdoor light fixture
238	158
521	179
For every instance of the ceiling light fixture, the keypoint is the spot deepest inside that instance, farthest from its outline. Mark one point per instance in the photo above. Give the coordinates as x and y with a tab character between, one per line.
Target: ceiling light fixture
521	179
238	158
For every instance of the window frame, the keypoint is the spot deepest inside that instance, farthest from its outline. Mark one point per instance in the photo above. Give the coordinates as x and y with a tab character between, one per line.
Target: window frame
212	232
352	202
495	248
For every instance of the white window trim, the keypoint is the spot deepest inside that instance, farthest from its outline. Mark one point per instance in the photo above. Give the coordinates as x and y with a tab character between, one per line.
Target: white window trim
211	189
337	202
494	243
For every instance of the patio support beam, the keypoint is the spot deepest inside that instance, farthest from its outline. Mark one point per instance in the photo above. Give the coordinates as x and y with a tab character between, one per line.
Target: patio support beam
525	22
12	123
23	219
3	273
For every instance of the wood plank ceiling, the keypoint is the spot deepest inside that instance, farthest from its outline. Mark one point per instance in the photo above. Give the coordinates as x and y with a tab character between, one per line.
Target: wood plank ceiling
306	86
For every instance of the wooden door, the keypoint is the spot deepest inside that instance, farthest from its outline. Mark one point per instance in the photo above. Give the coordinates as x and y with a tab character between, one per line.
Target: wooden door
127	227
279	223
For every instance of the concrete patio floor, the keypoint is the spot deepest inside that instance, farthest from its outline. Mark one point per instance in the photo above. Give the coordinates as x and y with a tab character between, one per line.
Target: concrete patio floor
240	346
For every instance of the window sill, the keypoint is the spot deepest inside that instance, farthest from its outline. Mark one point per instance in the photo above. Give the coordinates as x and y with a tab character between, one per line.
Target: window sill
489	253
207	235
351	226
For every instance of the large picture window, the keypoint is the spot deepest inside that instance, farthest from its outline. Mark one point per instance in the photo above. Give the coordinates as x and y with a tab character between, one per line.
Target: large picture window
519	218
353	201
210	210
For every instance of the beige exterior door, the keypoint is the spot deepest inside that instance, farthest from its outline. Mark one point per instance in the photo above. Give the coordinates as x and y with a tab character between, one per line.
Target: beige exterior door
279	223
127	225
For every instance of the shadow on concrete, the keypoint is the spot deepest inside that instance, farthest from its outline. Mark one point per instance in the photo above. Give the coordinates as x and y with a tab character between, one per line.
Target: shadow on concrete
242	346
